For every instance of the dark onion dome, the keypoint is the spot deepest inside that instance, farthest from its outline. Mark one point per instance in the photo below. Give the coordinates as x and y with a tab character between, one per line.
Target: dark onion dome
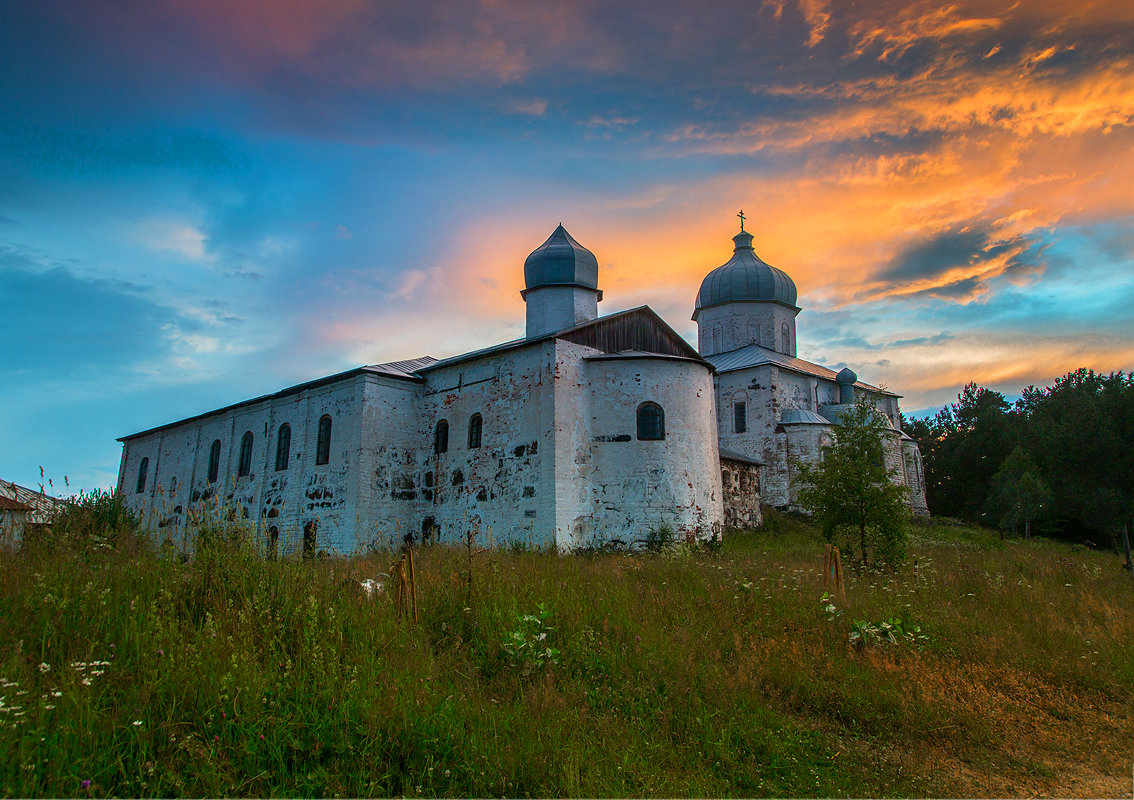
744	278
561	261
846	375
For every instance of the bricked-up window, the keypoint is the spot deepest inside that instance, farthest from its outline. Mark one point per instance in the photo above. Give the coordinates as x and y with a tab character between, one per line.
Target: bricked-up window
214	461
323	447
740	417
143	468
283	447
441	437
245	466
475	426
651	422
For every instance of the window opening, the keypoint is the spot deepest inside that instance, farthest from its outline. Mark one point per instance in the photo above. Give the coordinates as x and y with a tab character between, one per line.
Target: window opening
310	529
245	466
651	422
475	426
441	438
740	416
283	447
214	461
323	447
143	468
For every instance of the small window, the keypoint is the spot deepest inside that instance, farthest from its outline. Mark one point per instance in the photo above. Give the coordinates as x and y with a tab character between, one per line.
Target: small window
441	437
740	416
283	447
785	339
143	468
310	530
245	467
475	425
323	448
651	422
214	461
173	487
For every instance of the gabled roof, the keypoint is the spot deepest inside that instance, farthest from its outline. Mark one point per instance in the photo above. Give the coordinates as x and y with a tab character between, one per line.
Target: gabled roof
635	329
756	356
38	506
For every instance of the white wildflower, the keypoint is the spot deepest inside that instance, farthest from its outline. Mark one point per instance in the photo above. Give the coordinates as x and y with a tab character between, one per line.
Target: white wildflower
44	667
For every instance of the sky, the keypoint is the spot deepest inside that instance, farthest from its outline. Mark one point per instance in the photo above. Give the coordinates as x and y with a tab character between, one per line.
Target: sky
202	201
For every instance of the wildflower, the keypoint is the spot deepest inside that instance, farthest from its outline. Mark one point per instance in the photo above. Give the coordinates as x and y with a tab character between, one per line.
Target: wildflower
261	737
57	694
44	667
86	681
48	706
137	723
87	784
161	652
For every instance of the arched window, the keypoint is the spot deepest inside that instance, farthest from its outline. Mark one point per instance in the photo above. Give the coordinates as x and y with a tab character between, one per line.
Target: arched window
785	339
740	416
245	467
173	487
651	422
441	437
143	468
323	447
214	461
283	446
475	425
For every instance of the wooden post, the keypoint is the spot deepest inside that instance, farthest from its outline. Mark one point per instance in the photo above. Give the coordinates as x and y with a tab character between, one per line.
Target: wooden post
412	582
833	571
1126	546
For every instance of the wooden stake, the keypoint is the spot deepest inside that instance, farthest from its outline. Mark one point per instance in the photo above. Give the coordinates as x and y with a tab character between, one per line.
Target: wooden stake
412	582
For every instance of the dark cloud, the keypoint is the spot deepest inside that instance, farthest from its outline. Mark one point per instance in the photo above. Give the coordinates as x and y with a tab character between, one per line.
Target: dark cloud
53	319
939	253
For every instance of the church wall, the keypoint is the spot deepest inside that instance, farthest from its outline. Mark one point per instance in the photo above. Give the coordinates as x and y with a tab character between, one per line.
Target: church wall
288	499
501	490
638	486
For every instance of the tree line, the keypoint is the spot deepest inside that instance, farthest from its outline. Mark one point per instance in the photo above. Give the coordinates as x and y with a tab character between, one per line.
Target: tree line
1059	461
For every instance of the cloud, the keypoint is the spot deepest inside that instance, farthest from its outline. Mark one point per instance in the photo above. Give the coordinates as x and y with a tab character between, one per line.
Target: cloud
54	320
172	235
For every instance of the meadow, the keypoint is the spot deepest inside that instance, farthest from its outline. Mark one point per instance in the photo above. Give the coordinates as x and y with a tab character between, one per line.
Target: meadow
980	668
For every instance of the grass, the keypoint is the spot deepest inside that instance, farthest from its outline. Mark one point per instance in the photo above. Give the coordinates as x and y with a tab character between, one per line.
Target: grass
681	673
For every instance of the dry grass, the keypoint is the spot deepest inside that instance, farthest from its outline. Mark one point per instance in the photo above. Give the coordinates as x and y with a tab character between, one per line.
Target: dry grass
683	673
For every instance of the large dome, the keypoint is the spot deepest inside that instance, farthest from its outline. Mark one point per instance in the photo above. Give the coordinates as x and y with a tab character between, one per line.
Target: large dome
744	278
561	261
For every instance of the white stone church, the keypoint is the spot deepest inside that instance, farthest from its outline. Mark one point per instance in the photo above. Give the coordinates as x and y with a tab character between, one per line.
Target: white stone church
588	429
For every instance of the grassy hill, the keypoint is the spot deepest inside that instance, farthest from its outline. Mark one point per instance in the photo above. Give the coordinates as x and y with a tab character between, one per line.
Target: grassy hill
688	672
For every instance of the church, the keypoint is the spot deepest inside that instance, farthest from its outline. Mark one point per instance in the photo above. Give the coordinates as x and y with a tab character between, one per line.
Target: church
588	430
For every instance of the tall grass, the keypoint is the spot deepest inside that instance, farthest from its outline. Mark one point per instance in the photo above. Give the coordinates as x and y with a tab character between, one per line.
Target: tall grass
127	671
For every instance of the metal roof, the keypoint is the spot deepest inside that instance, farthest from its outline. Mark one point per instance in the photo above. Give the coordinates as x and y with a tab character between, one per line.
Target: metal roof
402	369
40	508
745	278
730	455
561	261
802	416
756	356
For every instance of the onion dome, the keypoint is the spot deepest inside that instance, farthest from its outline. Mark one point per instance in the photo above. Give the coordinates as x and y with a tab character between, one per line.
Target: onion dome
846	375
561	261
744	278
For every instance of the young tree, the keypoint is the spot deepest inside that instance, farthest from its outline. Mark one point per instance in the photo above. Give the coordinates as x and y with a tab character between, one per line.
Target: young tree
851	489
1019	494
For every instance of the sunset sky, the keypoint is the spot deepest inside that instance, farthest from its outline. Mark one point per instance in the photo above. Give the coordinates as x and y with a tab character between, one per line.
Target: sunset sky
206	200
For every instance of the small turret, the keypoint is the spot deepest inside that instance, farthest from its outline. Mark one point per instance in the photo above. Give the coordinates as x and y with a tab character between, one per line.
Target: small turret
560	285
846	380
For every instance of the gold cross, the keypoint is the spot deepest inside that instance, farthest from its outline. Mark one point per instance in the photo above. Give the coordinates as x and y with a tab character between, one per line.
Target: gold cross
742	218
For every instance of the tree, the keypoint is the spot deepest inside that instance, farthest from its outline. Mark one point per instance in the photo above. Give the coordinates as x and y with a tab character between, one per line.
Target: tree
1019	494
850	489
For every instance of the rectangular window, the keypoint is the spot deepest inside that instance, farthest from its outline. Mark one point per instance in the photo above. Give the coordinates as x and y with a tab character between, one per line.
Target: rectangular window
740	416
